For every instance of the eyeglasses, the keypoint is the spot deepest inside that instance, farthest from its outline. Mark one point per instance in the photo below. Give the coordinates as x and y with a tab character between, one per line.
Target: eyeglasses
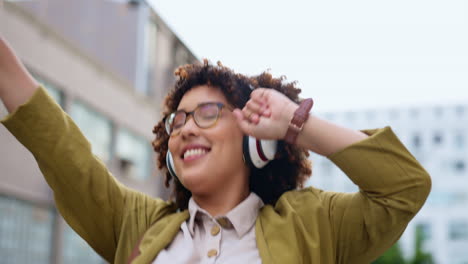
205	115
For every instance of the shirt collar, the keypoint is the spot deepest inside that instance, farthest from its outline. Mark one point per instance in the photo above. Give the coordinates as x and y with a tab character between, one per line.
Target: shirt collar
242	217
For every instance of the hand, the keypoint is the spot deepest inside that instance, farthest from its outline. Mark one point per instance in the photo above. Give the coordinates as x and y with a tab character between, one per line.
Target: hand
16	84
266	115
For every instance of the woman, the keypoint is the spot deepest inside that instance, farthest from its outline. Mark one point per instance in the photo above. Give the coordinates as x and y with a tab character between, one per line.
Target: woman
227	208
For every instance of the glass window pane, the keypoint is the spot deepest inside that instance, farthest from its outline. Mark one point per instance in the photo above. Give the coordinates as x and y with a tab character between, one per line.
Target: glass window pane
459	140
151	34
51	89
25	232
460	110
424	230
181	56
459	166
416	141
134	154
76	250
55	93
437	138
458	230
96	128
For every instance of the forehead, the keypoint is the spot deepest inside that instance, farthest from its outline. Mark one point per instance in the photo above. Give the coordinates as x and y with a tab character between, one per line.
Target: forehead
201	94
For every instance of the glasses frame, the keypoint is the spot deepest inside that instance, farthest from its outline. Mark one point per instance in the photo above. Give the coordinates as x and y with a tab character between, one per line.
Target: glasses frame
192	114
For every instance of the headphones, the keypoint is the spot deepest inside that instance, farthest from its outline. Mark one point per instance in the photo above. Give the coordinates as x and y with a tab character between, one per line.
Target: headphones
256	153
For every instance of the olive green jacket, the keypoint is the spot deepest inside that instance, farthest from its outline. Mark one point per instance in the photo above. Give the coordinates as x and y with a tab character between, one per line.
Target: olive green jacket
304	226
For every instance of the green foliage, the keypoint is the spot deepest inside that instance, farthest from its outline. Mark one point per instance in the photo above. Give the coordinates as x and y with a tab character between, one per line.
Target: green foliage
392	256
395	256
420	257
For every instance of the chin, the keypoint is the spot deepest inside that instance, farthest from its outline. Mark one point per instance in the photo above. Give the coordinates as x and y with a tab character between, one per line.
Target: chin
194	182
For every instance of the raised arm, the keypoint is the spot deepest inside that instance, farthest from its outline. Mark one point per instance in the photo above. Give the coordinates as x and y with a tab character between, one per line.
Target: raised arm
267	116
393	186
16	83
89	198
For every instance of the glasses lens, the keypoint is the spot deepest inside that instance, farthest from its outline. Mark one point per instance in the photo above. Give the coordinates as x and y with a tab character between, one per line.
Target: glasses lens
168	123
206	114
175	121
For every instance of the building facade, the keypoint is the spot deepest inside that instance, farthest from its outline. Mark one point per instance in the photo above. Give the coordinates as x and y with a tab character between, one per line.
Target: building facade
438	137
109	65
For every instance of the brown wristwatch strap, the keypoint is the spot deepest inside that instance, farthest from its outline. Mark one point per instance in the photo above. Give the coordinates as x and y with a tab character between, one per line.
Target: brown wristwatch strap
297	122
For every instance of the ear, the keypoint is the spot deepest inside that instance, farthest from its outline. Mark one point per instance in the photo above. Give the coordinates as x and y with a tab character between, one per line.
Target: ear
257	153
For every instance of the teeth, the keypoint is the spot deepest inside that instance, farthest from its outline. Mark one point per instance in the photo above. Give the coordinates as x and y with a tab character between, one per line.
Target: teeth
194	152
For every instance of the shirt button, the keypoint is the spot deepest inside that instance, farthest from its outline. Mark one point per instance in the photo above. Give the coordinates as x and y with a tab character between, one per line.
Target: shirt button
215	230
212	253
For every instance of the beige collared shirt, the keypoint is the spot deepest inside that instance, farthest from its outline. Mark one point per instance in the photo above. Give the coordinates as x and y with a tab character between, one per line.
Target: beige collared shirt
226	239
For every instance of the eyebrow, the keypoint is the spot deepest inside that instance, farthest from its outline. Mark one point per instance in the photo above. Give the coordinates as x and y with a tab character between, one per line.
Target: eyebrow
225	105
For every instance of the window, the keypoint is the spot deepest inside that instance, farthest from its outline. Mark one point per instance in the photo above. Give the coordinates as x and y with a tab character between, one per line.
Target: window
424	230
458	230
437	138
460	110
370	115
25	232
416	141
459	198
96	128
447	198
414	113
459	166
51	89
350	116
459	141
55	93
76	250
394	114
181	56
134	154
438	111
149	58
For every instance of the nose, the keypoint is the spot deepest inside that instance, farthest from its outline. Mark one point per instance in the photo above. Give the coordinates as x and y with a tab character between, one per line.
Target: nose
190	128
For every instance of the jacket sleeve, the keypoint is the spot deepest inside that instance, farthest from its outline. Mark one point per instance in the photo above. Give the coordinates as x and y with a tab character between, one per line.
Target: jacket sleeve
393	186
86	194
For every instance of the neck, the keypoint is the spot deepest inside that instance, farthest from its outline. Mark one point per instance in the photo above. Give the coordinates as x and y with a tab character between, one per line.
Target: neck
223	200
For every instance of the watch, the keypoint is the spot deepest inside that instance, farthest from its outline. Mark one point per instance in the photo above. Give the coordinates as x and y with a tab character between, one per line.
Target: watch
297	122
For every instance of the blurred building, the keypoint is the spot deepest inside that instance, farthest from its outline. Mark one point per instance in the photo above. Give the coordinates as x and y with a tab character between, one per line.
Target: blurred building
438	137
109	64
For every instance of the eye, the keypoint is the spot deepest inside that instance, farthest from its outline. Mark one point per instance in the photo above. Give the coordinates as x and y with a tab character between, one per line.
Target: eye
208	111
178	120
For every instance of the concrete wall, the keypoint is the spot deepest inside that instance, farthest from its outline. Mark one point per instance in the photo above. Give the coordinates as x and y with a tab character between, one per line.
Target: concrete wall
93	58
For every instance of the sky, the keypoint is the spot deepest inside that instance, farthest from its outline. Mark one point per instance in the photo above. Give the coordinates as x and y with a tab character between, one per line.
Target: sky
344	54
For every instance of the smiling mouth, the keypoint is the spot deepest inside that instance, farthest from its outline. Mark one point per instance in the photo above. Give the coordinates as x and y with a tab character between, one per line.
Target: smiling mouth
193	154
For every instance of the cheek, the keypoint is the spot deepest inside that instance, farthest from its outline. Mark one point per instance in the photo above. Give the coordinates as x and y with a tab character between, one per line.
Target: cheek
231	137
172	144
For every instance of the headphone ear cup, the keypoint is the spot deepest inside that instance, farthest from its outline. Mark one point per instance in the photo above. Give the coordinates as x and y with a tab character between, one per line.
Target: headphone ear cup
269	148
170	164
246	151
258	153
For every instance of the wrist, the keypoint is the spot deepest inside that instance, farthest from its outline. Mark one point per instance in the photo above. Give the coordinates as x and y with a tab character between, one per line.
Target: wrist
290	110
288	116
297	120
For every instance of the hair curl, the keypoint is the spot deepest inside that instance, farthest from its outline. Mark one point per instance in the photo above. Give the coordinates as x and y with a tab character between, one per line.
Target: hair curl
288	171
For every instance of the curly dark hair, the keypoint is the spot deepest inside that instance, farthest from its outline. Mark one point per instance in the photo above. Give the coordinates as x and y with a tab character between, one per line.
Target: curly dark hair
288	171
